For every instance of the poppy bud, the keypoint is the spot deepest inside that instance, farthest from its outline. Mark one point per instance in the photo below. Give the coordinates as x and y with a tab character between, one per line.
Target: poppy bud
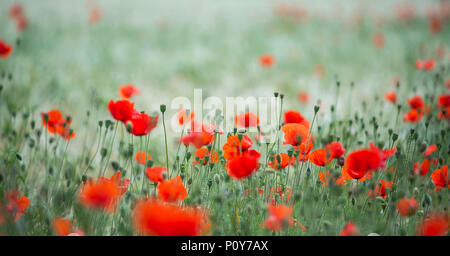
281	96
162	108
394	137
115	165
316	108
332	108
275	94
189	181
103	152
100	123
188	155
84	178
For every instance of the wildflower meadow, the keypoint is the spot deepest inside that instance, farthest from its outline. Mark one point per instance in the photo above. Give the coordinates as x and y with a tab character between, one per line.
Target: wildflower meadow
224	118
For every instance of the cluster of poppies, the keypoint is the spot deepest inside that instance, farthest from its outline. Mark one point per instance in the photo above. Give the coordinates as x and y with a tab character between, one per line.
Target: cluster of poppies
17	13
56	123
137	123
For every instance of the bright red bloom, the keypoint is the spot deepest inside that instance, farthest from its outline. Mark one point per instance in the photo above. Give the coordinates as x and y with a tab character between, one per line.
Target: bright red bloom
293	116
246	120
391	97
198	139
349	229
423	167
156	173
5	49
142	124
324	177
413	116
235	147
279	217
276	164
243	165
151	217
116	179
100	194
266	60
407	206
444	100
380	189
335	150
172	190
295	134
361	161
319	157
440	178
15	205
56	123
182	118
121	110
128	91
430	150
201	153
142	157
416	102
63	227
435	224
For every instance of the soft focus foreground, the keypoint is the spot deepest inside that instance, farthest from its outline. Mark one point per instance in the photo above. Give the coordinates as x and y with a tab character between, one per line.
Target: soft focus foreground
91	142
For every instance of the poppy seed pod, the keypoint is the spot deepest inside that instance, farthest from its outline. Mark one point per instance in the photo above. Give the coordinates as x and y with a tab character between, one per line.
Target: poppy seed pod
162	108
316	108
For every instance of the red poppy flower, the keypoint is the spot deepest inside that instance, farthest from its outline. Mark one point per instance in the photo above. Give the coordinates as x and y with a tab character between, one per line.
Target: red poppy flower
63	227
198	139
295	134
243	165
279	217
172	190
121	110
15	11
56	123
292	116
378	40
156	173
151	217
435	224
380	189
276	164
201	153
303	97
335	149
391	97
319	157
15	205
246	120
430	150
423	167
234	146
407	206
361	161
416	102
142	124
440	178
100	194
444	100
116	179
413	116
5	49
444	114
142	157
324	177
435	25
182	118
349	229
128	91
266	60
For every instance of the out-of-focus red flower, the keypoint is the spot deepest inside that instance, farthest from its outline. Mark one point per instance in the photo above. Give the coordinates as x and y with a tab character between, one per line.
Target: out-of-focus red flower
152	217
319	71
95	15
100	194
444	100
349	229
243	165
435	224
121	110
426	65
391	97
324	177
56	123
172	190
279	217
201	153
447	84
142	157
430	149
378	40
235	147
303	97
15	11
246	120
15	205
319	157
416	102
440	178
413	116
142	124
198	139
116	179
435	25
266	60
423	167
380	189
63	227
407	206
279	161
127	91
182	118
156	173
335	150
292	116
21	22
5	49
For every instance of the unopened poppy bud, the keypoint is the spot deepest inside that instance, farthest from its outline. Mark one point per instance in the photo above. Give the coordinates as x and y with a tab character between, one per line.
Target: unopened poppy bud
188	155
129	126
281	96
100	123
290	152
162	108
103	152
46	117
316	108
275	94
1	87
84	178
332	108
189	181
115	165
394	137
240	136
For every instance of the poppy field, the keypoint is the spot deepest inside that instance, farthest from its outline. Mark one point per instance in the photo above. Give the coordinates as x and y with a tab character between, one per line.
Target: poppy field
213	118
